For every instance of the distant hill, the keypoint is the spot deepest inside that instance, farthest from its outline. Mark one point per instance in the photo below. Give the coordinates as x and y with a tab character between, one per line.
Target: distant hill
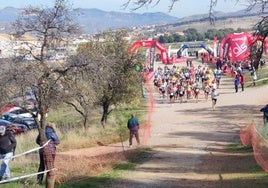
245	19
95	20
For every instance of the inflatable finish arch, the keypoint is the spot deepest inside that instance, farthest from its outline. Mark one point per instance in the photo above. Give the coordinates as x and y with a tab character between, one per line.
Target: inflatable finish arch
236	46
151	44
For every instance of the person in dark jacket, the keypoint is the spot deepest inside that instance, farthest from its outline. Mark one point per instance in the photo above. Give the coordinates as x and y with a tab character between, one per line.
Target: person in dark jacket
133	126
265	113
54	140
236	83
7	149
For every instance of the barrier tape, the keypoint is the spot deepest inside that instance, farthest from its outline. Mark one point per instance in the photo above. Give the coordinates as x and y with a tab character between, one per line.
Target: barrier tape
29	175
30	151
26	176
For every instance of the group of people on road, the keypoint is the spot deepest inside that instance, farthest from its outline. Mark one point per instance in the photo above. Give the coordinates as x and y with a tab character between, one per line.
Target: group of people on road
8	145
186	83
239	77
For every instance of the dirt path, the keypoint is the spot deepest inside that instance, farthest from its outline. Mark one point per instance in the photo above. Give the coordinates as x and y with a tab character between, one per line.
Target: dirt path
189	141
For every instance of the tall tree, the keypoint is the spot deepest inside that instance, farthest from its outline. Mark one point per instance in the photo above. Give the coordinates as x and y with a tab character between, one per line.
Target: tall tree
81	82
257	48
51	27
117	82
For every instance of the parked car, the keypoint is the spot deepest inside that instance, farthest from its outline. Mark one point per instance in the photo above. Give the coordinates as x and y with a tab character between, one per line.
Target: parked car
14	127
6	108
9	116
18	111
28	121
15	118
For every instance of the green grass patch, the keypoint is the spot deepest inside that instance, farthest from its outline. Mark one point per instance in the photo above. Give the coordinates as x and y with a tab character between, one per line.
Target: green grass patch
239	148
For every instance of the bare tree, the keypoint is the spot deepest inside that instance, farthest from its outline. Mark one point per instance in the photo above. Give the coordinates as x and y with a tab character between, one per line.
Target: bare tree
51	26
79	86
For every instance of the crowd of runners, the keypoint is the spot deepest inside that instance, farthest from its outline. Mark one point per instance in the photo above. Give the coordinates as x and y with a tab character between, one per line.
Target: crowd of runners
179	83
182	84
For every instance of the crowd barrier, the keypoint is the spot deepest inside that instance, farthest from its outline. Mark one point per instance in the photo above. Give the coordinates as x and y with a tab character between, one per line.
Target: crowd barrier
250	136
28	175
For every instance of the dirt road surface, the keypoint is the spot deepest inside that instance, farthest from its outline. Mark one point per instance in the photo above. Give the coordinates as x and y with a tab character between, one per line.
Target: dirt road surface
189	142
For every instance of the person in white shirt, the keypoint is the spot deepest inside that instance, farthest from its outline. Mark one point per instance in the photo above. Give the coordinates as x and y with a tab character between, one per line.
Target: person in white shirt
214	95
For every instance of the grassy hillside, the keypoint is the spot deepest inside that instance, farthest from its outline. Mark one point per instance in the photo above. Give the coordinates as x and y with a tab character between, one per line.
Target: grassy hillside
235	23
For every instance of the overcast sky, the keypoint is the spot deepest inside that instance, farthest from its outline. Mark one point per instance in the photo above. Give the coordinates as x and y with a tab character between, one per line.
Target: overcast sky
181	8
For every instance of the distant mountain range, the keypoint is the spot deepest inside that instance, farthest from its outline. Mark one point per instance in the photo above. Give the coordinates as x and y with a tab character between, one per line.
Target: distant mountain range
95	20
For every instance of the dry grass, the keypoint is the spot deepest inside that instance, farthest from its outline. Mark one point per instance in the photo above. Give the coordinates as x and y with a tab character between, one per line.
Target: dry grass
235	23
81	167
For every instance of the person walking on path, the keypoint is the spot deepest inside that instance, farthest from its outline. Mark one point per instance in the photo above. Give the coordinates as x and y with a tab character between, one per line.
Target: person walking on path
265	114
133	127
54	140
7	149
214	95
236	83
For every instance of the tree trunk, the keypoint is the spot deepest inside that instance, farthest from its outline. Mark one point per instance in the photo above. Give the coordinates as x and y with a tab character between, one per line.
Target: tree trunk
85	122
105	113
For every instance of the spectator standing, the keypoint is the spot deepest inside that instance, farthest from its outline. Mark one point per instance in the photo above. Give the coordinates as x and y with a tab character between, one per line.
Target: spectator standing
54	140
236	83
265	113
133	126
7	149
242	81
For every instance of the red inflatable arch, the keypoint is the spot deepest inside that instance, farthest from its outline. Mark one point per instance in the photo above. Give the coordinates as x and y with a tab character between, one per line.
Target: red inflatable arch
236	46
151	44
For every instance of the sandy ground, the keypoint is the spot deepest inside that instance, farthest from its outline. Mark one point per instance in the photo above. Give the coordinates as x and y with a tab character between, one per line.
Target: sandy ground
189	141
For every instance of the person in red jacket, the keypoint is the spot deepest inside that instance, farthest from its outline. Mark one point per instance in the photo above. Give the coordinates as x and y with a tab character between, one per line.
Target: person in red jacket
242	81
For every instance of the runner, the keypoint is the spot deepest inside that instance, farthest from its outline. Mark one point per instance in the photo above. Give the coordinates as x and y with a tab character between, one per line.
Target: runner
217	75
181	91
206	91
214	95
196	89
